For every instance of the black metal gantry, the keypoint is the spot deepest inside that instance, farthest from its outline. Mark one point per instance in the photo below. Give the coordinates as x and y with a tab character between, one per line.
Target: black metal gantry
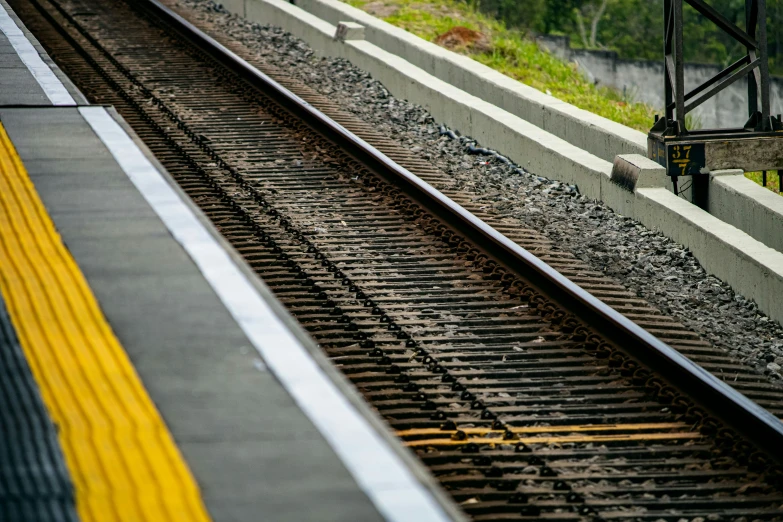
687	152
754	64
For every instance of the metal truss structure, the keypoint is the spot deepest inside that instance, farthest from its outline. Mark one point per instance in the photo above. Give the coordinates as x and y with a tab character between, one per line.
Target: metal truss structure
757	145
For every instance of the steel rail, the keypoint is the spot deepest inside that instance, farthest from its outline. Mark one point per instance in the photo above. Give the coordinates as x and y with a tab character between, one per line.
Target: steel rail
719	399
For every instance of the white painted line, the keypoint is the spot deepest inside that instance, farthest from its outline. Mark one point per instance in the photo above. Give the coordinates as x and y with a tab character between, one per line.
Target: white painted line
43	74
380	472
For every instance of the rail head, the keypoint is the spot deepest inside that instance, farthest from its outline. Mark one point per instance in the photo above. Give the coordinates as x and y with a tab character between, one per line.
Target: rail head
718	398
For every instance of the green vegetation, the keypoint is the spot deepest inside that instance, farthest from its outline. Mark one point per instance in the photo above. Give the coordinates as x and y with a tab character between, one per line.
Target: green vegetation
634	28
629	24
773	183
512	54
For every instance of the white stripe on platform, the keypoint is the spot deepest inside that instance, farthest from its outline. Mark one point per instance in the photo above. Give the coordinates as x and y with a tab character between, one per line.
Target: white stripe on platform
43	74
378	470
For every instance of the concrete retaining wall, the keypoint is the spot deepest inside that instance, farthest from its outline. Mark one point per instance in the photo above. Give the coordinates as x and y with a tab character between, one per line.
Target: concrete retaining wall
752	268
585	130
735	199
643	80
745	263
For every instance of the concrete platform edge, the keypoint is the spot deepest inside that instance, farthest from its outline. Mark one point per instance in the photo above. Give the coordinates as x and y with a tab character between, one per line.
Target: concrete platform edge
403	474
77	96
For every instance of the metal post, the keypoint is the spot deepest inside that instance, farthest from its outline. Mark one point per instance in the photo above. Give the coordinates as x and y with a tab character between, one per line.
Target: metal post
668	28
700	191
753	87
679	67
764	65
669	137
778	17
763	178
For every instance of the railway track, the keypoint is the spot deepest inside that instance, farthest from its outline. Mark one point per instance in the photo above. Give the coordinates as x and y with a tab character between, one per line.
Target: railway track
523	394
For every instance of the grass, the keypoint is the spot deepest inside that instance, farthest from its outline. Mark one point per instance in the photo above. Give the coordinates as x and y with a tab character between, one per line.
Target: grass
517	56
773	182
512	54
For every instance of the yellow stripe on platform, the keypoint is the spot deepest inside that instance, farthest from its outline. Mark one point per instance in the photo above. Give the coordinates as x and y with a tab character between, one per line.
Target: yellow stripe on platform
123	461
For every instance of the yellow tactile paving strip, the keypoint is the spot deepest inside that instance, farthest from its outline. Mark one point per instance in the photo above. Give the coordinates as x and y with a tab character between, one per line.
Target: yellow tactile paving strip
122	459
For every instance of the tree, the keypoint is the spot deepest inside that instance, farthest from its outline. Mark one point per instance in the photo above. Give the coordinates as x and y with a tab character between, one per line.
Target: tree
634	28
596	12
558	15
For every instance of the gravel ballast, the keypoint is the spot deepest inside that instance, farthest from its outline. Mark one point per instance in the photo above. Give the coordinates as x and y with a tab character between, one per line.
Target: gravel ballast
657	269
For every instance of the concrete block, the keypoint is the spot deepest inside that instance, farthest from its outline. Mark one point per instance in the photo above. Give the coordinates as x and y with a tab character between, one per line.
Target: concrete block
632	171
750	267
319	34
618	198
234	6
748	206
727	172
349	31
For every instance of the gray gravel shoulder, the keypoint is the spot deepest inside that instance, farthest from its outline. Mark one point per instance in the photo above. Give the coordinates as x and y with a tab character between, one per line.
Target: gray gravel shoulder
659	270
